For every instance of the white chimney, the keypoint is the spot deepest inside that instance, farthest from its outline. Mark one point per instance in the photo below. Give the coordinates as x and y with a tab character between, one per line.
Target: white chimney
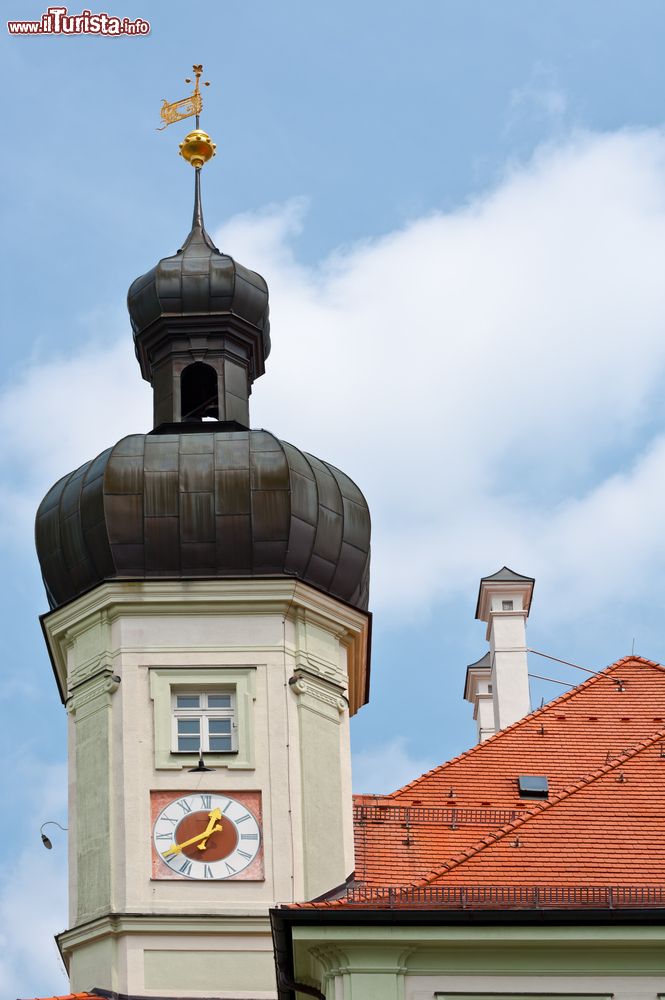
478	690
504	600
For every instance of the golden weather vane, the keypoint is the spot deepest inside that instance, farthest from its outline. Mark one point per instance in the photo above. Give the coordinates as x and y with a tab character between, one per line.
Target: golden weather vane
197	147
188	106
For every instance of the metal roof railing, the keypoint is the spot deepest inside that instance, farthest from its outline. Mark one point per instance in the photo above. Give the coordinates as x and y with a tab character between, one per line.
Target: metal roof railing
452	816
506	897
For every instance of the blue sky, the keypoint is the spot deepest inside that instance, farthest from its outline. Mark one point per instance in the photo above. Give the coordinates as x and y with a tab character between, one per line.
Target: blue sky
460	210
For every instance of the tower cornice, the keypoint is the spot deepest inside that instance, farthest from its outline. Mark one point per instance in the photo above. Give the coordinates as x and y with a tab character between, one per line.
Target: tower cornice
291	598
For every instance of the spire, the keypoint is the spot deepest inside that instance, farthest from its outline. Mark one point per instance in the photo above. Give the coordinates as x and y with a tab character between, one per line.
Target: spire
197	148
198	235
200	319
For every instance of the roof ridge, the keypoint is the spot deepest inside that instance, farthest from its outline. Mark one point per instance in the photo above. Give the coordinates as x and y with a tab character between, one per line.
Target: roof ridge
598	675
494	836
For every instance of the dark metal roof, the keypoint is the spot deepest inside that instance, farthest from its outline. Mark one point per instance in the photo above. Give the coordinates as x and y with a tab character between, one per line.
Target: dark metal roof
199	280
484	661
505	575
228	503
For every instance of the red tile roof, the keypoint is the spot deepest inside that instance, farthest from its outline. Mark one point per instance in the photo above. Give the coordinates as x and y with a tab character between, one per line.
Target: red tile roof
401	836
606	828
70	996
601	747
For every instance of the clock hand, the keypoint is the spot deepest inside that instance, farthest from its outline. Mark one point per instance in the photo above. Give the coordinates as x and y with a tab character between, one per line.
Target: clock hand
204	843
177	848
212	827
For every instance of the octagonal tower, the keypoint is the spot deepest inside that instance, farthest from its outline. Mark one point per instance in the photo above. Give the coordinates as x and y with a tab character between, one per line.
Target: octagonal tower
208	586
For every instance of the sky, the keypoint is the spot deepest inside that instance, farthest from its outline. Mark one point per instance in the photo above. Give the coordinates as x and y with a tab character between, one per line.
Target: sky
459	207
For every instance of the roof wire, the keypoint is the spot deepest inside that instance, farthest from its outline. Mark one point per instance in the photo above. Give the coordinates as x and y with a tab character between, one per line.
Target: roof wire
553	680
566	663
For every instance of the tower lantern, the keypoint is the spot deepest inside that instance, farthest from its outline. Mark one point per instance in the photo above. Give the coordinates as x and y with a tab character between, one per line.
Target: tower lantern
208	626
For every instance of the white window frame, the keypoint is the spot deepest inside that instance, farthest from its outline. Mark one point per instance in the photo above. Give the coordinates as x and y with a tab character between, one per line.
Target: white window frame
239	680
204	713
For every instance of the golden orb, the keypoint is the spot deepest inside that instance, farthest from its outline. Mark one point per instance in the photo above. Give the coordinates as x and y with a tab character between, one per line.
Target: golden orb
197	148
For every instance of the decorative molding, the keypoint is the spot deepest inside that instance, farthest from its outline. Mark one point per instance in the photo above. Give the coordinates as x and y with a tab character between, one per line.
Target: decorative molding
98	686
91	668
65	626
318	689
116	924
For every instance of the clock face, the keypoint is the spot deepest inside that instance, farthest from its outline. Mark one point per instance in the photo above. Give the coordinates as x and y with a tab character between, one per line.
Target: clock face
206	835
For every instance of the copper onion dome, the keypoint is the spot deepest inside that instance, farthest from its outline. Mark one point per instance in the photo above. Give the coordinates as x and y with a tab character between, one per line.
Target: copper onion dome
202	495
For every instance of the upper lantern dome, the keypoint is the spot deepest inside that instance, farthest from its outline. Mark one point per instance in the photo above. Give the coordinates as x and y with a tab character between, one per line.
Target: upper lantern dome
198	280
200	304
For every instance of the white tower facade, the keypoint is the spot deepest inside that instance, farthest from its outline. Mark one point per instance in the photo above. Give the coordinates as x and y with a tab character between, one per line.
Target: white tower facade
478	690
504	601
290	658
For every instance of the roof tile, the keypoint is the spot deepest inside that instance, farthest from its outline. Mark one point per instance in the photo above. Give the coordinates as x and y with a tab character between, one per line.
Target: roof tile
461	807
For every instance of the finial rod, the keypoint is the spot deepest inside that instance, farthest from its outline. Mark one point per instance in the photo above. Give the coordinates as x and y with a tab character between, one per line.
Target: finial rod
197	218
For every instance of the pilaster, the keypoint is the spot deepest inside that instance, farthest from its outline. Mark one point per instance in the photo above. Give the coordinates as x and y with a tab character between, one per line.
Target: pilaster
91	841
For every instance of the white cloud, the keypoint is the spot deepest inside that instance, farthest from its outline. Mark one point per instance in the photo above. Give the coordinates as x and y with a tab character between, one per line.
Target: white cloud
386	767
490	377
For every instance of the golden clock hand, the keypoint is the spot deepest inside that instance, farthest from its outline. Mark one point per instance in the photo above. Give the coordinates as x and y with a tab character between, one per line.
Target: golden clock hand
211	828
204	843
177	848
215	816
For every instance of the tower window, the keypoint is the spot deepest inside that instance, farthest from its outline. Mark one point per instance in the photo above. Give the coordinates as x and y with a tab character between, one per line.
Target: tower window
506	605
198	393
203	722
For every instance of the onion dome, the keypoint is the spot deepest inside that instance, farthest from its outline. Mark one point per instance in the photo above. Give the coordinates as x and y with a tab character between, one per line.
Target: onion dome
199	281
191	505
202	495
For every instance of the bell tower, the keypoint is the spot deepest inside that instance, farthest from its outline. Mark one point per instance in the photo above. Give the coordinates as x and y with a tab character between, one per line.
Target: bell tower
208	627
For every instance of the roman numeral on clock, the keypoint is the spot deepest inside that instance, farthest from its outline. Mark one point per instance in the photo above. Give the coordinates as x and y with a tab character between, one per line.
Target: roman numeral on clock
207	871
185	868
249	836
185	806
206	801
244	854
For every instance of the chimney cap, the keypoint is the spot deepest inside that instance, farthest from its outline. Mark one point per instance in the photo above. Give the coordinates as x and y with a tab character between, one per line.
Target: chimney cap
507	576
474	672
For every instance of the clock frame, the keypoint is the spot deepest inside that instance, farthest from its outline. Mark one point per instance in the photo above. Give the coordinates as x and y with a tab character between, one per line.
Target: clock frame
227	824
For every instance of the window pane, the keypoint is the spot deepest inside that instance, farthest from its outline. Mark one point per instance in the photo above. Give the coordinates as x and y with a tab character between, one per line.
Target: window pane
219	726
187	700
188	743
189	726
220	744
219	701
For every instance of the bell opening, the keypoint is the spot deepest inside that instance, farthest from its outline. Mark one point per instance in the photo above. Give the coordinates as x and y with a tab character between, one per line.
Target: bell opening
199	393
